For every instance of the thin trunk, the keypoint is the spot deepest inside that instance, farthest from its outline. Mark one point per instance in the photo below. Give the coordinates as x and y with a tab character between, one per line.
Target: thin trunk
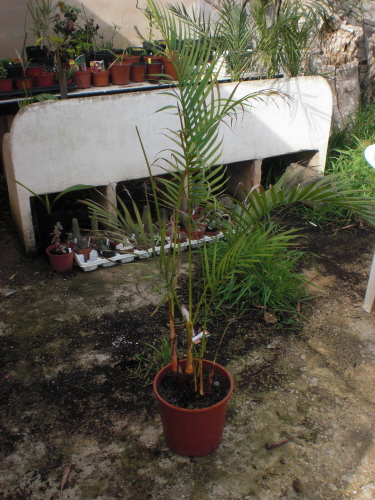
62	79
173	338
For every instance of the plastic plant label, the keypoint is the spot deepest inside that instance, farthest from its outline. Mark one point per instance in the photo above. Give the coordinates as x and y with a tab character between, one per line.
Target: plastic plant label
197	339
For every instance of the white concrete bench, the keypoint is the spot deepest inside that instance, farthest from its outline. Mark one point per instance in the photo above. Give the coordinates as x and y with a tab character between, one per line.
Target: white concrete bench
93	140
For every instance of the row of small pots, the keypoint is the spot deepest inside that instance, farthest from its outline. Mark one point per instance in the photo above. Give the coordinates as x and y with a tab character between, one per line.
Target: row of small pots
123	73
34	77
130	69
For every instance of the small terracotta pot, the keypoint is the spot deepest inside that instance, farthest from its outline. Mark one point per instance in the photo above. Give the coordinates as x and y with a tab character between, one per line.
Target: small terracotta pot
44	79
60	263
138	72
197	232
129	59
153	70
147	59
169	69
85	253
24	83
198	432
34	70
6	84
82	79
101	78
120	74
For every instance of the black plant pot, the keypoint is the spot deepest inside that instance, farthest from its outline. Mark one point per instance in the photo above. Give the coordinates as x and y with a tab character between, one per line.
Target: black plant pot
136	51
14	70
104	55
106	254
35	53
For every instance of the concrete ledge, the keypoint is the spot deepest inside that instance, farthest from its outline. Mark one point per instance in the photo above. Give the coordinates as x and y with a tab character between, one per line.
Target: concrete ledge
93	140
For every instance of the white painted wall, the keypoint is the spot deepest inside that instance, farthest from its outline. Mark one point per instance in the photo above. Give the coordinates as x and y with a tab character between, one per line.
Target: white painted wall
93	140
15	22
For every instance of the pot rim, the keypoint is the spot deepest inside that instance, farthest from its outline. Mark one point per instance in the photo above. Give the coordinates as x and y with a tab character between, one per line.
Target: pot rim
168	368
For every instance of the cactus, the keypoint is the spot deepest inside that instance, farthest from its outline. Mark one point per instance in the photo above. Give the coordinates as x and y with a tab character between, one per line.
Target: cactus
75	231
146	216
94	223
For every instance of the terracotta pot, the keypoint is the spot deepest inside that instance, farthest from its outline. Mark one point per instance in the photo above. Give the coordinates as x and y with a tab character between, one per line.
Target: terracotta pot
197	232
138	72
82	79
193	433
85	253
60	263
129	59
33	70
148	58
169	69
101	78
24	83
6	84
120	74
44	79
153	70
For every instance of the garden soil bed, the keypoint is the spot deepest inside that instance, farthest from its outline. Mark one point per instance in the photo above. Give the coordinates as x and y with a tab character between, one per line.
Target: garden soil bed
70	348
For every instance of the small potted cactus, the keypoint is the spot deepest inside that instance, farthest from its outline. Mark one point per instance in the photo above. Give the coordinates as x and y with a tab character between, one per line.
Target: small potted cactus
81	244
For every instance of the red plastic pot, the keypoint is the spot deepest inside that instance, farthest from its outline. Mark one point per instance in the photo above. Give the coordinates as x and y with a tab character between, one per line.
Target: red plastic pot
33	70
153	70
150	59
193	433
24	83
60	263
85	253
82	79
6	84
101	78
138	72
131	59
169	69
120	73
197	232
44	80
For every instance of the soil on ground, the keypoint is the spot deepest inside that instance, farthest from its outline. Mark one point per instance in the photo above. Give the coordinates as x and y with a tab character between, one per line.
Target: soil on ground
79	419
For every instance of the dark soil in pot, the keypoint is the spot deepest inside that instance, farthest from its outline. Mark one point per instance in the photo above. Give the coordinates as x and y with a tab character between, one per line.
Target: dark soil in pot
181	394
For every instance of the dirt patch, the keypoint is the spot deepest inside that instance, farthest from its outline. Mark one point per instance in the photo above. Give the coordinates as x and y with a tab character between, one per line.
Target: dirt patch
69	350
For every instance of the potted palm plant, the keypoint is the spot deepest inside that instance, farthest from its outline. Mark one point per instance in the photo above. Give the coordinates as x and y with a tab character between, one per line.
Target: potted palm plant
193	418
193	182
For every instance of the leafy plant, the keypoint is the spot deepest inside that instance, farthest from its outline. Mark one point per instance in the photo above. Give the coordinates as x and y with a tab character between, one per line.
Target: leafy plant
262	270
150	361
266	36
195	180
60	248
3	72
30	99
41	12
46	202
